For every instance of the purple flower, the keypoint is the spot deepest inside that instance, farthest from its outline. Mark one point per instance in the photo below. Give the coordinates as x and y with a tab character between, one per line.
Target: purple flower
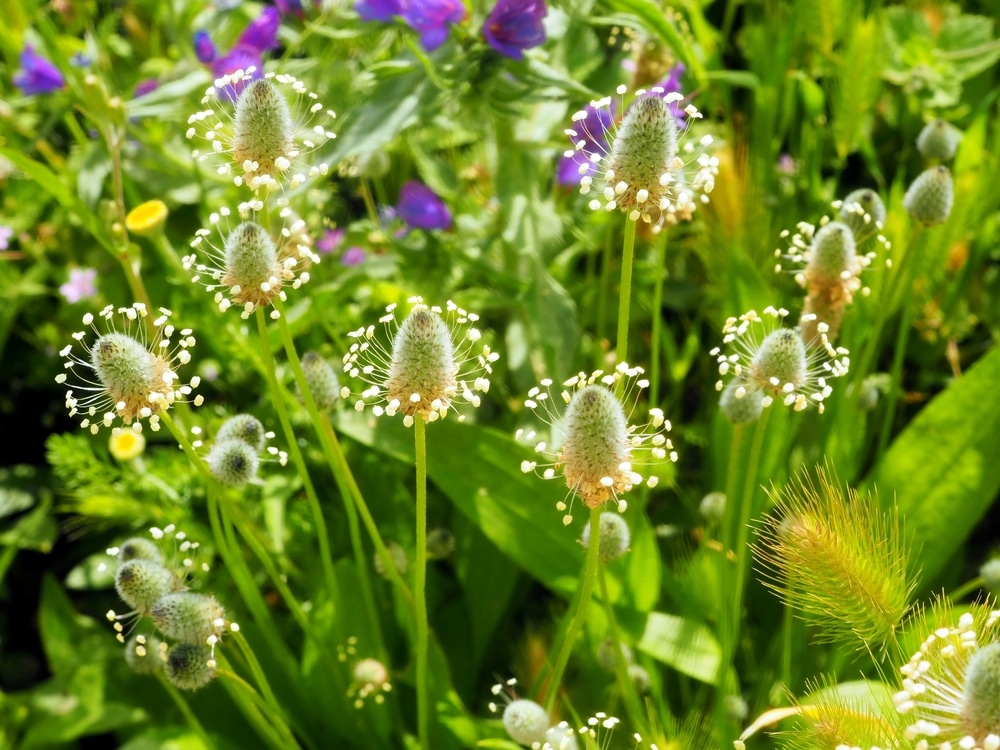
378	10
593	130
352	256
146	86
514	26
430	19
420	208
262	33
204	47
672	85
330	240
239	58
80	285
290	7
5	234
37	75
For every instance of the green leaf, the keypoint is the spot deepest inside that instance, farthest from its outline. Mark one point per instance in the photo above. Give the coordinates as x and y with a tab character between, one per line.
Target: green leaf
70	639
687	646
942	469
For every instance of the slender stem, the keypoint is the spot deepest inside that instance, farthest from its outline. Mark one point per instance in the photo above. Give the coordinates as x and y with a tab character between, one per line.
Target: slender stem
656	333
186	446
182	705
419	586
6	558
966	588
895	375
258	674
269	726
586	593
625	683
625	292
746	510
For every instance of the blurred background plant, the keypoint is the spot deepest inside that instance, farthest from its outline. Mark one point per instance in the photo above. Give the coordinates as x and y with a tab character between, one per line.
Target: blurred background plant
448	179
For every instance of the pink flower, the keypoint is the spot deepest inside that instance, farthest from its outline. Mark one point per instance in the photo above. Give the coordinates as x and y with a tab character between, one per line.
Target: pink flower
81	285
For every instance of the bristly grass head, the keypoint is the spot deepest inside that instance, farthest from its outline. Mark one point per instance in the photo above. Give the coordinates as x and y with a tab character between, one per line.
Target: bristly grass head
592	443
134	374
838	560
434	360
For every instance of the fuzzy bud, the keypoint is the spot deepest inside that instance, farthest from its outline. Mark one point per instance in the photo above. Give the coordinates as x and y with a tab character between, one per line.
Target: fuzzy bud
929	198
595	454
863	211
140	583
398	556
263	130
781	359
187	666
741	402
561	737
639	677
245	427
321	379
525	721
188	616
142	654
440	544
422	374
713	507
642	156
233	462
138	548
253	271
989	571
607	654
981	693
938	140
131	375
614	539
832	254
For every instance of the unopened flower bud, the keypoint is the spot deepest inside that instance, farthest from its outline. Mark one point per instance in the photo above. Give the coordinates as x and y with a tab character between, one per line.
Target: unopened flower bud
929	198
187	666
188	616
938	140
440	544
422	374
614	539
139	548
740	402
595	454
713	507
233	462
321	379
263	130
989	571
863	211
607	654
525	721
140	583
981	693
245	427
142	654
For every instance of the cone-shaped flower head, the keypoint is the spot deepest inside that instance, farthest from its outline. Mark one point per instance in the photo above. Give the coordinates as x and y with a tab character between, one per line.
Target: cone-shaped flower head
929	198
648	169
951	686
245	427
741	402
247	261
321	379
596	448
143	654
189	666
435	359
233	462
614	539
938	140
134	374
139	548
140	583
265	140
780	365
526	722
863	211
189	617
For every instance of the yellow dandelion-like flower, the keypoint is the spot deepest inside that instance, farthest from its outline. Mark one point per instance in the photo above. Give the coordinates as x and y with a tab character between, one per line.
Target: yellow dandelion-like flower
147	218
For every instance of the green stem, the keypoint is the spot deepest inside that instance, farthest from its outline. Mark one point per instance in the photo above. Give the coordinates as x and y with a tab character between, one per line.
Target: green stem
6	558
895	375
656	333
419	586
966	588
185	709
625	292
625	683
258	674
586	593
269	726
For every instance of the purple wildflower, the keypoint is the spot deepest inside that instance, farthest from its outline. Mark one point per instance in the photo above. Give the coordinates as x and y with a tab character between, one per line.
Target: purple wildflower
80	285
262	33
204	47
5	234
330	240
37	75
352	256
420	208
146	86
430	19
672	85
238	58
593	129
290	7
515	25
379	10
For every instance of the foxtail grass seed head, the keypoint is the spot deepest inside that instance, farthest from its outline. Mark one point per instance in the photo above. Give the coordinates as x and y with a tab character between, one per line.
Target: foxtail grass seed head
189	666
141	583
649	168
863	211
929	198
938	140
245	427
370	680
189	617
837	560
265	141
741	401
780	364
132	373
435	360
526	722
951	685
321	379
593	445
243	264
614	539
233	462
143	654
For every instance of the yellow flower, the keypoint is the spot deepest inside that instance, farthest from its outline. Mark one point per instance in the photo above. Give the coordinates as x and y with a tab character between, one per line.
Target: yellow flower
147	218
126	445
